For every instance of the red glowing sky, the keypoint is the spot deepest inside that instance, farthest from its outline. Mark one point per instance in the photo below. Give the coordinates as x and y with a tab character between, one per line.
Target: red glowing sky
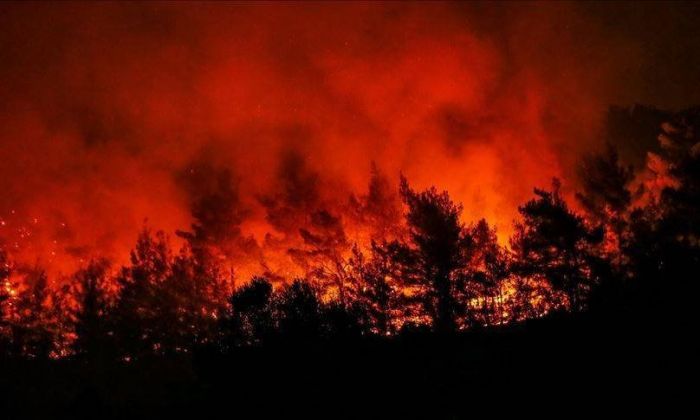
103	105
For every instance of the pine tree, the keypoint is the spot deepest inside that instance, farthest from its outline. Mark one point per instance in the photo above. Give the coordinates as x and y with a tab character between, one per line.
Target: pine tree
555	244
90	319
437	251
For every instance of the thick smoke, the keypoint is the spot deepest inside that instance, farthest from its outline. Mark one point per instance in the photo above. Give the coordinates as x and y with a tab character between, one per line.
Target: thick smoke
257	123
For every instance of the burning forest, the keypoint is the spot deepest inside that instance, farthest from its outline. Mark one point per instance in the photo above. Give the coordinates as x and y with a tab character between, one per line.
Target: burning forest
196	182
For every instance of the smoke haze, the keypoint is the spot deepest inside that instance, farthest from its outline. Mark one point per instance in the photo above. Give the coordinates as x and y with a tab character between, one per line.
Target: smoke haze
113	114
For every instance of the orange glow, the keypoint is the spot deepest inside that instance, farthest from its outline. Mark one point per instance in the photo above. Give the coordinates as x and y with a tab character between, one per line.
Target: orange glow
106	143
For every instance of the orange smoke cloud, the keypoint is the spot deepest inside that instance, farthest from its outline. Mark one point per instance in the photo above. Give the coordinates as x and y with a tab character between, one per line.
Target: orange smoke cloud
111	110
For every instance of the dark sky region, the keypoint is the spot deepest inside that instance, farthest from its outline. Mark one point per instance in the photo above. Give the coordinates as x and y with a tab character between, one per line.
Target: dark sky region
104	106
667	40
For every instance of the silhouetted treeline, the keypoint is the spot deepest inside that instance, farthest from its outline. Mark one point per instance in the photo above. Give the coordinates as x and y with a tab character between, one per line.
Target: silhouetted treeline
631	250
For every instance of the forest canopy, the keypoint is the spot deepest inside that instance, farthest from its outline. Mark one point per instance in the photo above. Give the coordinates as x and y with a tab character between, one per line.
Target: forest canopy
387	262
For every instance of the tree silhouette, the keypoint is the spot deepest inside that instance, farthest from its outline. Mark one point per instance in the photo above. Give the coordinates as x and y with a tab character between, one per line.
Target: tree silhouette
377	295
298	311
661	246
140	327
167	304
555	244
194	299
605	194
606	199
437	249
250	321
34	318
487	270
323	255
90	318
605	184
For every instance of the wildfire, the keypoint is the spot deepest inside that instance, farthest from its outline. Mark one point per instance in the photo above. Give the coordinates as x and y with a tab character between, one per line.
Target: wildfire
115	138
268	141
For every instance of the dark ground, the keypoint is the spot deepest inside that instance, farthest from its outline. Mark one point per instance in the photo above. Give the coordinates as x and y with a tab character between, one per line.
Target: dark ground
562	365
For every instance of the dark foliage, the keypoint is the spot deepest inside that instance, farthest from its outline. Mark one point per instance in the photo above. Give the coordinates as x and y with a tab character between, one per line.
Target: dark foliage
554	243
251	319
92	331
437	252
